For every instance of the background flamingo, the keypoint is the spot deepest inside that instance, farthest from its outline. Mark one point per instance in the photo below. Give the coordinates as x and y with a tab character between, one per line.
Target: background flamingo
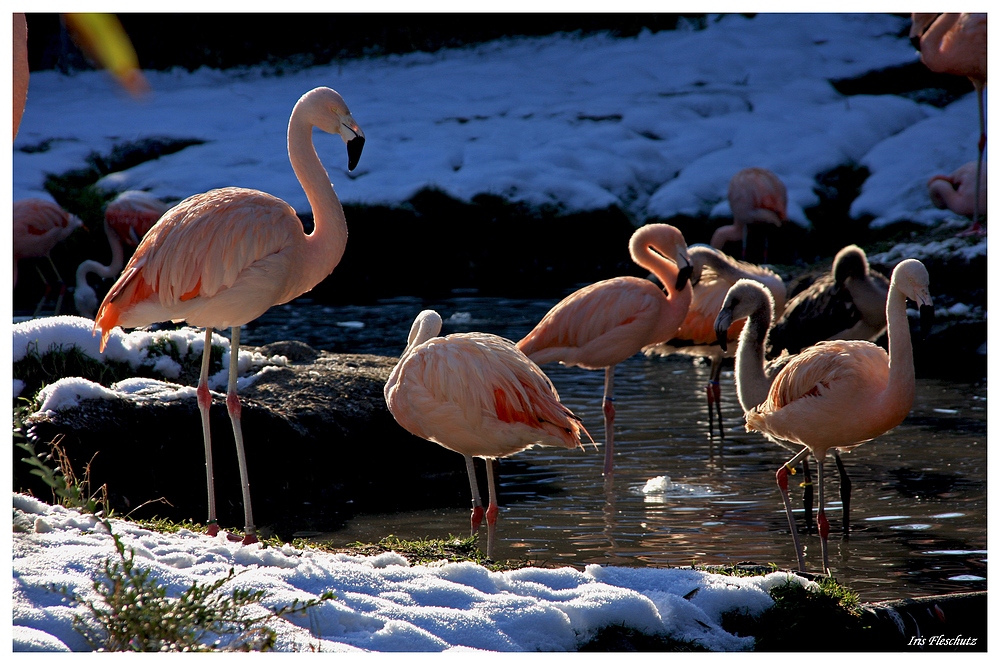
839	394
756	196
609	321
39	225
21	72
478	395
222	258
956	44
958	191
714	274
127	219
846	303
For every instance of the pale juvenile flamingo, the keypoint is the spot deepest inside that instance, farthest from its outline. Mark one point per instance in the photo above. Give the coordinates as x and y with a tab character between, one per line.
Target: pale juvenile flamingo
756	196
127	219
846	303
956	44
714	273
957	191
38	225
608	322
222	258
840	394
477	395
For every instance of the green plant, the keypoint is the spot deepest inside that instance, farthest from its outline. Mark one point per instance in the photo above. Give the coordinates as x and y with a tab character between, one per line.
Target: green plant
134	612
67	489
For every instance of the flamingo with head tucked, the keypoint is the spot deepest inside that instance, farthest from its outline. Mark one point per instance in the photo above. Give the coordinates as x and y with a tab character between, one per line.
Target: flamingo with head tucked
840	394
608	322
956	44
127	219
958	190
223	258
38	226
478	395
714	273
756	196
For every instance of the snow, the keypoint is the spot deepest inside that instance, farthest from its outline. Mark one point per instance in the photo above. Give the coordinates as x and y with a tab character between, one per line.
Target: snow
655	124
381	603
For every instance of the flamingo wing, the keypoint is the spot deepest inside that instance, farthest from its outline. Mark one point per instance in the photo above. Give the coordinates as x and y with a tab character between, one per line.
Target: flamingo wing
826	367
478	395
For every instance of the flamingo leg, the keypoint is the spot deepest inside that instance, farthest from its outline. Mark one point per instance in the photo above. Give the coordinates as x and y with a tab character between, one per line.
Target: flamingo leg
782	480
233	403
609	420
845	492
807	495
821	521
492	512
477	502
715	395
204	402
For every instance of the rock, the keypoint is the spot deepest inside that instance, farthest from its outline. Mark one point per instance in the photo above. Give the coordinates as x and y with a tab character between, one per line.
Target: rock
320	445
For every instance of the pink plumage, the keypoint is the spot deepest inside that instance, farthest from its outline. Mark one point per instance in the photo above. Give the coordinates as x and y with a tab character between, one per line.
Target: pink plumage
478	395
839	394
38	226
607	322
957	191
222	258
756	196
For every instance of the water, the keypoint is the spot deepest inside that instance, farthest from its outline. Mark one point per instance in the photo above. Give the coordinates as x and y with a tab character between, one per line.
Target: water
918	509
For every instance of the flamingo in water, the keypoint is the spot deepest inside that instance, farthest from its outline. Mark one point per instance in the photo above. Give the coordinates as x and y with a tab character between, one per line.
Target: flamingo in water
714	273
478	395
222	258
840	394
39	225
607	322
127	219
756	196
956	44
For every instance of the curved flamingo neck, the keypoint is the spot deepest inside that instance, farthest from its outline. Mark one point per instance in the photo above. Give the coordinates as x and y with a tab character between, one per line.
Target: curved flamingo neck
104	271
664	269
325	245
752	384
900	389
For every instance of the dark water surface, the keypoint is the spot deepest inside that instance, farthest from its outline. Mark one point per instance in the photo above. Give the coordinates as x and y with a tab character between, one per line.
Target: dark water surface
679	498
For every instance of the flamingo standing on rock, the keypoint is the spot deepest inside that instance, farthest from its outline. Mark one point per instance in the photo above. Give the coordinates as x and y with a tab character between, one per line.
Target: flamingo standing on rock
607	322
223	258
958	191
846	303
714	273
127	219
39	225
478	395
756	196
840	394
956	44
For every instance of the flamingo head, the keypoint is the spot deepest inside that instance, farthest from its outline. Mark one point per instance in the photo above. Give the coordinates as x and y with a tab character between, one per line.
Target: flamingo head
744	299
330	113
850	261
921	22
913	281
426	326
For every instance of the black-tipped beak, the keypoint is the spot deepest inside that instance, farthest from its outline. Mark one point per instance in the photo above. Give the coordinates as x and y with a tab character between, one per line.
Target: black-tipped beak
926	320
722	323
684	275
354	148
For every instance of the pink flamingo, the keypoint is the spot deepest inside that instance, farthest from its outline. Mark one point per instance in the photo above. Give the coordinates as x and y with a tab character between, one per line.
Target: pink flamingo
222	258
607	322
956	44
957	192
478	395
21	72
127	219
756	196
848	302
38	226
840	394
714	273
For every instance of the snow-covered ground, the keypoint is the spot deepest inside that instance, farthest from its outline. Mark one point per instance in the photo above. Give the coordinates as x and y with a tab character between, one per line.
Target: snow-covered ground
380	603
655	124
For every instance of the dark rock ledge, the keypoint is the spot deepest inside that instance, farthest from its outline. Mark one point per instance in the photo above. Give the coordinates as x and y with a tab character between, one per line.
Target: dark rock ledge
320	443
